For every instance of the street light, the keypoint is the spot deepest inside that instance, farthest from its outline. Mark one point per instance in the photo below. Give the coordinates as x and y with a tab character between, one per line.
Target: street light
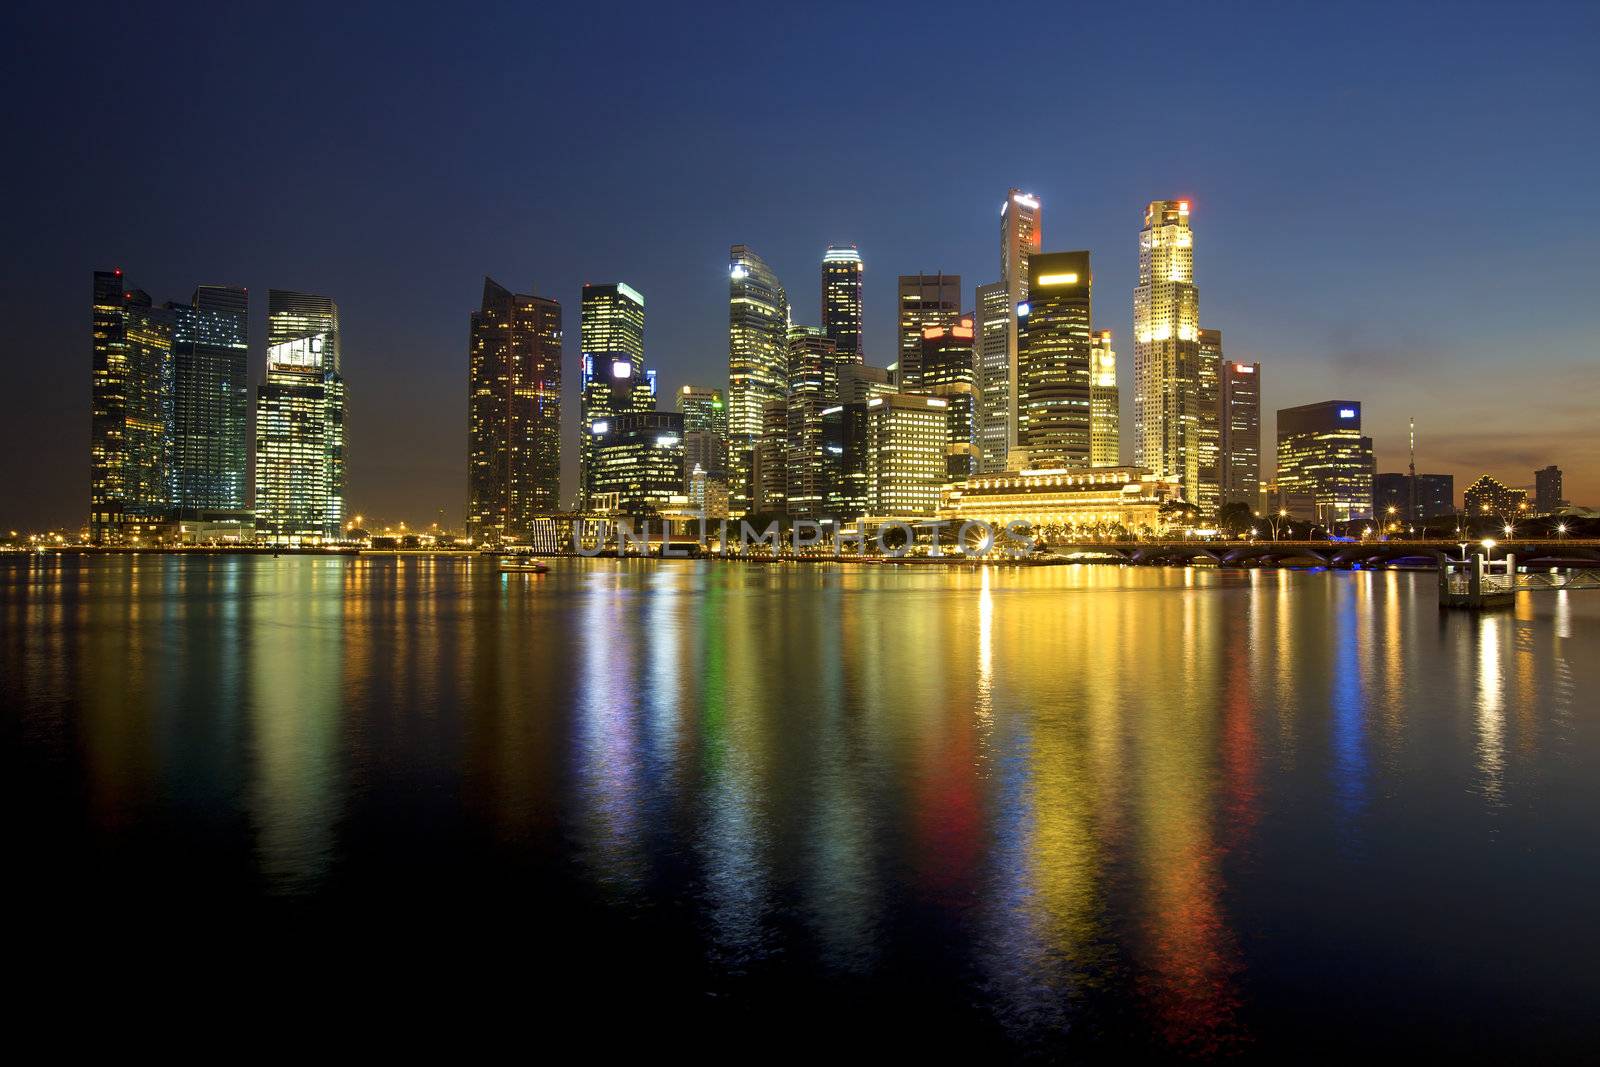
1561	530
1488	547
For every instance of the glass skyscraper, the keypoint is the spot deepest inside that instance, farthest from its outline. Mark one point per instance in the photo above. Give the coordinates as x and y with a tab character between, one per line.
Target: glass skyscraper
1166	349
949	371
210	378
130	475
925	300
513	414
300	409
993	329
758	363
1239	413
842	302
611	332
1021	235
1053	361
1105	410
1323	459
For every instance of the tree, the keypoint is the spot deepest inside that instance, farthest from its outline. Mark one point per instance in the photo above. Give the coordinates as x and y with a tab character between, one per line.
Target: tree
1235	517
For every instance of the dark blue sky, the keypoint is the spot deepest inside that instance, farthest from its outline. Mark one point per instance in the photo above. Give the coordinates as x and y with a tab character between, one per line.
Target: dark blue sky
1393	203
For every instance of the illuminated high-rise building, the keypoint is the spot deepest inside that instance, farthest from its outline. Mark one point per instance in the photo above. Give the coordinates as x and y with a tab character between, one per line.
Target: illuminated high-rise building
513	414
993	327
1105	403
813	386
844	449
925	300
130	482
1548	499
1166	350
1053	361
841	301
949	370
769	463
905	453
859	383
1324	460
1021	234
613	378
1208	379
758	363
638	461
300	412
705	433
1239	415
211	401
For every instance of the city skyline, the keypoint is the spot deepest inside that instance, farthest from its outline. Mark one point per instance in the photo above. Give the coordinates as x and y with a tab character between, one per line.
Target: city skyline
1361	336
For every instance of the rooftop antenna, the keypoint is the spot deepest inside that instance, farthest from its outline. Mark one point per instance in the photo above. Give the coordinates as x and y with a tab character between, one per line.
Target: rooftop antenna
1411	482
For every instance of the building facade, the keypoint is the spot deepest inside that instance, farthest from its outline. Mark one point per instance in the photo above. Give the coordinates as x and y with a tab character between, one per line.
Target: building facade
300	421
813	386
638	462
1323	457
925	300
758	363
705	433
1105	402
993	328
131	403
211	403
1166	349
1488	496
1239	433
1021	235
513	414
614	382
842	301
1057	503
1547	490
1053	361
905	454
1208	378
949	370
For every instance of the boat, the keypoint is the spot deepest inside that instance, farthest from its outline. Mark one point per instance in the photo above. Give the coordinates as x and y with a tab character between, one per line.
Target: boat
523	567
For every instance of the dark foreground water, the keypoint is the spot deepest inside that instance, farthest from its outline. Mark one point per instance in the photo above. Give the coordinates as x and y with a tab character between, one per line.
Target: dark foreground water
771	808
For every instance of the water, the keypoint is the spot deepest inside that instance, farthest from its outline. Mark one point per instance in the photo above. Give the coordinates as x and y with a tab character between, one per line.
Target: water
1044	812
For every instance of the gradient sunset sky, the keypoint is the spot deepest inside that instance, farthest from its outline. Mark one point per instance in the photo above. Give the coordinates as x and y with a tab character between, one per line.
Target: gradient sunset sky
1392	203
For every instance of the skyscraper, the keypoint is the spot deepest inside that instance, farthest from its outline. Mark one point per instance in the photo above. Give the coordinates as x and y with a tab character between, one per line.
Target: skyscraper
210	381
758	363
841	301
638	461
300	409
905	454
1239	437
1547	490
949	370
1053	361
1021	233
1105	403
813	386
1166	349
993	326
1208	387
130	455
611	334
513	414
925	300
1323	458
705	434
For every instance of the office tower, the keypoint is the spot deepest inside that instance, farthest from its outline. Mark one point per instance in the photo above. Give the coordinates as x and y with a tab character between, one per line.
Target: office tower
1434	496
1021	232
513	414
994	312
1391	497
130	454
905	454
1105	411
844	449
1208	387
949	370
706	494
1547	490
1166	349
841	301
813	386
1239	432
1053	358
758	363
638	462
925	300
1488	496
300	421
705	432
859	383
210	382
769	475
614	382
1323	458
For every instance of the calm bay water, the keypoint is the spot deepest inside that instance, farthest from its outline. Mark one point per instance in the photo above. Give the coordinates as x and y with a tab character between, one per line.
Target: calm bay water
1045	811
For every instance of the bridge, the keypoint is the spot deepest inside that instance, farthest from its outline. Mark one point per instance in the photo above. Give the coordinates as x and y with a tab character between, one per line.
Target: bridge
1529	552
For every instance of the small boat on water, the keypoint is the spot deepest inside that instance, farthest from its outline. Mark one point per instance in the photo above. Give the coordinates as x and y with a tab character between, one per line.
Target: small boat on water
508	566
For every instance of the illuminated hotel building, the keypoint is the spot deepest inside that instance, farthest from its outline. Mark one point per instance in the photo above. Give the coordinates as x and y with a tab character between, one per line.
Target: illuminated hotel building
905	454
1239	416
1208	378
1324	460
993	326
841	301
1021	230
1098	500
813	385
705	433
1489	496
131	405
949	370
614	382
300	421
638	462
1053	358
1105	410
211	401
925	300
1166	349
513	414
758	363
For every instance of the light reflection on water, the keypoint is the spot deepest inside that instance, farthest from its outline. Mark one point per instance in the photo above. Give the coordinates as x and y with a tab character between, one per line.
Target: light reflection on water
1140	806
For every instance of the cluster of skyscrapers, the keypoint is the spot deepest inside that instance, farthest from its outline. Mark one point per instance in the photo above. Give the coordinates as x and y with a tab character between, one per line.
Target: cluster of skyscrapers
169	453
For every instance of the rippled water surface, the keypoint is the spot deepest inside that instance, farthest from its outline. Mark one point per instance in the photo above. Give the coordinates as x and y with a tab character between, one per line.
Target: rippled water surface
1046	811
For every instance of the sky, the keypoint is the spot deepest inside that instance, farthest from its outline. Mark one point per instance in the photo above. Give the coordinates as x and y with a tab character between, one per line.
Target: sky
1392	203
